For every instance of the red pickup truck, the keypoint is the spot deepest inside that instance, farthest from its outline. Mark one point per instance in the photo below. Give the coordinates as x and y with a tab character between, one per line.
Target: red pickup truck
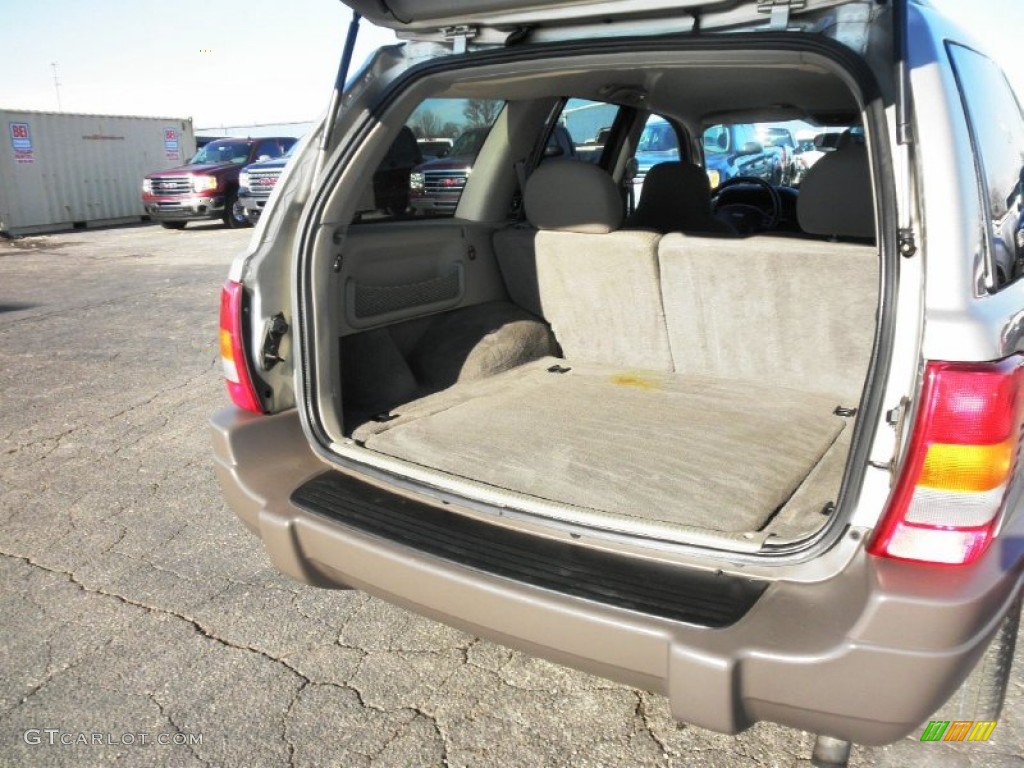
207	186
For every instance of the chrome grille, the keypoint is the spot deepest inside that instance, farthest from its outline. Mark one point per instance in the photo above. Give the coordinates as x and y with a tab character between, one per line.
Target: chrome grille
171	185
261	183
445	183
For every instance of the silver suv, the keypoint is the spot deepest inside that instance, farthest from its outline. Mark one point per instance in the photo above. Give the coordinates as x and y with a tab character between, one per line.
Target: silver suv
773	477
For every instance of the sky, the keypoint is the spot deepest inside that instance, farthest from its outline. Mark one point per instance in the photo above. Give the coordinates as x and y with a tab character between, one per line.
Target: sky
223	63
246	62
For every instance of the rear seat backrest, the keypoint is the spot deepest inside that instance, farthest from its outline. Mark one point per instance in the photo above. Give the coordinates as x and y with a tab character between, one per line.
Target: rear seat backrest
797	312
597	287
792	312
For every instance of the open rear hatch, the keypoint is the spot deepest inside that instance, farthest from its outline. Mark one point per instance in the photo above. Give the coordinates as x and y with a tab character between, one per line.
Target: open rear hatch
419	19
720	445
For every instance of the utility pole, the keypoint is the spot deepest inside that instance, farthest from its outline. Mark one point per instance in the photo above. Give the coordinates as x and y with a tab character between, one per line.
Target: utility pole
56	85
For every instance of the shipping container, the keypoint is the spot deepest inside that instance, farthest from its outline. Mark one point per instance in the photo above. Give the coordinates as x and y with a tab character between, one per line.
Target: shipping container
62	171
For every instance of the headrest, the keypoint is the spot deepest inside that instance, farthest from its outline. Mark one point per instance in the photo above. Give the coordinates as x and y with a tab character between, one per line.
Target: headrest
572	196
686	183
849	138
836	197
675	197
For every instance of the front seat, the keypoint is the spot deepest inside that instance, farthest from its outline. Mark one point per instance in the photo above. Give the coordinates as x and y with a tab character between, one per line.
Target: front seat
836	198
676	197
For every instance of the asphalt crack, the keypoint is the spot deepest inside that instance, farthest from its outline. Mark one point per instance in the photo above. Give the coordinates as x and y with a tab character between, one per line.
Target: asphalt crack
304	681
178	729
52	674
297	607
445	753
287	716
196	625
642	716
59	438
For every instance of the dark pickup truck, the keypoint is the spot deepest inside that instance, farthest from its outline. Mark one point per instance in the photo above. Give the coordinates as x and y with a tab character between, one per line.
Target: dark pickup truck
436	185
257	181
207	186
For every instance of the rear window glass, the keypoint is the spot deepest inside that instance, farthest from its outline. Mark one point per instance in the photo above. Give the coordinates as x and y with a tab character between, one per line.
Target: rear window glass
997	136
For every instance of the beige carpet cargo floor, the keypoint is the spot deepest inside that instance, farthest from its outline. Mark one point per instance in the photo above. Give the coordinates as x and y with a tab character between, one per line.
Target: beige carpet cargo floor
685	450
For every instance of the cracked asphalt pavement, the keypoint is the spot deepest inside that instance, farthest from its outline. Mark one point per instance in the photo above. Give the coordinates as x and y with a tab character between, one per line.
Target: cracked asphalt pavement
140	624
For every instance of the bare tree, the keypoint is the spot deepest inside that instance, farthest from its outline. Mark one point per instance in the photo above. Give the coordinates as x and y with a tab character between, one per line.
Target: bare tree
425	124
450	131
481	112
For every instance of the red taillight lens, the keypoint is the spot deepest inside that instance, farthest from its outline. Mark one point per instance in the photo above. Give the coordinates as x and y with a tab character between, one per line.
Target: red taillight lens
232	350
961	457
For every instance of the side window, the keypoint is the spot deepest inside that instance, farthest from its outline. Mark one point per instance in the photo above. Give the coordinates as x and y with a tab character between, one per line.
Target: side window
237	153
997	136
429	162
588	125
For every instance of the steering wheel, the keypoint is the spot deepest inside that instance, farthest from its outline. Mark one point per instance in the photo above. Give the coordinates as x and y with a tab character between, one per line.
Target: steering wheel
744	216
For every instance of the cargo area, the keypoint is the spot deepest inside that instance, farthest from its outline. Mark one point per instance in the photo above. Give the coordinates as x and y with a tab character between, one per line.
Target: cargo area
730	415
614	338
651	448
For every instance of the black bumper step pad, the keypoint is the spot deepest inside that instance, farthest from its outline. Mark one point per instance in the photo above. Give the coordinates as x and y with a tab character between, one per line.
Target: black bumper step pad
693	596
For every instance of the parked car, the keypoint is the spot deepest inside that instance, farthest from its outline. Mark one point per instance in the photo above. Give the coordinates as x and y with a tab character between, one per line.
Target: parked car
436	185
431	149
207	186
773	478
782	139
256	181
735	149
658	143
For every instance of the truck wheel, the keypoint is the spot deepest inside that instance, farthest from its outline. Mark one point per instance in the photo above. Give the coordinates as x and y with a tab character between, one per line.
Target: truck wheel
234	214
982	693
172	224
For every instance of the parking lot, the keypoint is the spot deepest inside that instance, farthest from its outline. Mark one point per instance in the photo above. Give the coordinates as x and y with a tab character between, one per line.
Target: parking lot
140	623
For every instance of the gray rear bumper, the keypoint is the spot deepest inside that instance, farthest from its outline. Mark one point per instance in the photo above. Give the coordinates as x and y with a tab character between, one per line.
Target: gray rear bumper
865	656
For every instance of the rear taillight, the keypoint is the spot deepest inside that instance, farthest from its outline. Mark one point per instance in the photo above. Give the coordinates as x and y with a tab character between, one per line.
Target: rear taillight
232	350
960	460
